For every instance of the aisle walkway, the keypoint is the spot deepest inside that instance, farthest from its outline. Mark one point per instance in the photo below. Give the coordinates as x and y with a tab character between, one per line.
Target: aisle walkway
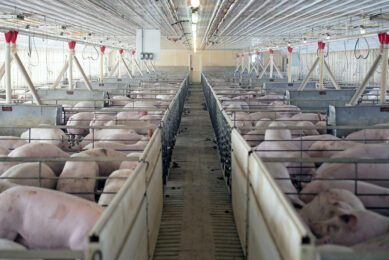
197	220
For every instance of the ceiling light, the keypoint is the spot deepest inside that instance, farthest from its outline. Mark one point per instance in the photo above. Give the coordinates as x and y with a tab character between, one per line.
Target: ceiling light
328	36
195	17
195	3
305	40
362	29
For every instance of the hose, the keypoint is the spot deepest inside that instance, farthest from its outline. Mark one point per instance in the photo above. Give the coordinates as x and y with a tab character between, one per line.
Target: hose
355	50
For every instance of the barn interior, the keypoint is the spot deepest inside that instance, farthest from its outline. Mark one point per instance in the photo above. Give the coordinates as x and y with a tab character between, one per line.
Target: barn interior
194	129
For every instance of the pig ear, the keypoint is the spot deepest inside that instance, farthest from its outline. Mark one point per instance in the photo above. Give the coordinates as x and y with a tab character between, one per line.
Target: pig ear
350	219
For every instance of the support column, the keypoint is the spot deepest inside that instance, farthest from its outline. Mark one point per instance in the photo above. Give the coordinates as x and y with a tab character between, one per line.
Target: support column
72	45
125	65
290	50
243	65
271	60
147	67
249	63
237	67
8	97
321	57
65	67
301	87
102	50
384	40
87	83
152	65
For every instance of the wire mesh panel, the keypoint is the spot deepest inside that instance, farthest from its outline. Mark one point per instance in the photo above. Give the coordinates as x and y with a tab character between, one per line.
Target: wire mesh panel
222	129
170	126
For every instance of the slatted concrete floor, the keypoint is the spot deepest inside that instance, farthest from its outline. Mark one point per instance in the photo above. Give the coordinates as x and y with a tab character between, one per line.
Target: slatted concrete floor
197	220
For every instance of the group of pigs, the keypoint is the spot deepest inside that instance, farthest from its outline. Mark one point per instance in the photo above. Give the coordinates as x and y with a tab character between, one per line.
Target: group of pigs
338	218
54	204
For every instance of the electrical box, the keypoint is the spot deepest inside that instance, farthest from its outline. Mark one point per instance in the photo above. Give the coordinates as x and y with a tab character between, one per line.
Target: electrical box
148	44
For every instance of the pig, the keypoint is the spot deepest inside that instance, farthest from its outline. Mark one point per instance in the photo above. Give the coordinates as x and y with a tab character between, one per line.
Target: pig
305	142
22	172
379	243
124	136
286	111
382	201
5	185
105	167
311	117
321	124
261	115
100	120
53	136
328	204
367	172
331	248
276	146
329	148
79	119
44	218
278	170
351	227
112	185
84	105
307	131
255	137
131	164
241	119
11	142
83	188
126	148
117	101
37	150
4	151
370	136
277	134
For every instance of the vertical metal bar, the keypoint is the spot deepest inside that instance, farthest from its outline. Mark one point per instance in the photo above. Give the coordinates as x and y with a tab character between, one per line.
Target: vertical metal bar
384	72
271	65
93	137
40	173
321	77
8	97
70	69
290	68
101	66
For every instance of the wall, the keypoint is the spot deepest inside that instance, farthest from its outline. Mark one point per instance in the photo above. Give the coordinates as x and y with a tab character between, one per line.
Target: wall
171	57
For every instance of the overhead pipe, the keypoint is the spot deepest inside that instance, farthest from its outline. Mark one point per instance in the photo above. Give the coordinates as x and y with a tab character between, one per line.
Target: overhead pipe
351	6
218	19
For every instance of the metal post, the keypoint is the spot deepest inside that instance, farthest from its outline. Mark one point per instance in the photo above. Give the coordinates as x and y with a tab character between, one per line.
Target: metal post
384	72
271	64
28	79
290	65
65	67
137	66
242	64
88	85
8	36
102	50
72	45
249	63
309	74
321	56
152	66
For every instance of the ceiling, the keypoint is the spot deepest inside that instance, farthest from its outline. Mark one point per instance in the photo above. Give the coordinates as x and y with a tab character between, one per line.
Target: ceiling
223	24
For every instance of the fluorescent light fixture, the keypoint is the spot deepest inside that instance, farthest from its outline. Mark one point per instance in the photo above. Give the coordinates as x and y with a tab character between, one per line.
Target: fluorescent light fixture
195	17
195	3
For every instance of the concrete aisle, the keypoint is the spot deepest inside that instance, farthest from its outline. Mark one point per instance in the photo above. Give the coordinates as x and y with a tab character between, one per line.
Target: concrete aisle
197	220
